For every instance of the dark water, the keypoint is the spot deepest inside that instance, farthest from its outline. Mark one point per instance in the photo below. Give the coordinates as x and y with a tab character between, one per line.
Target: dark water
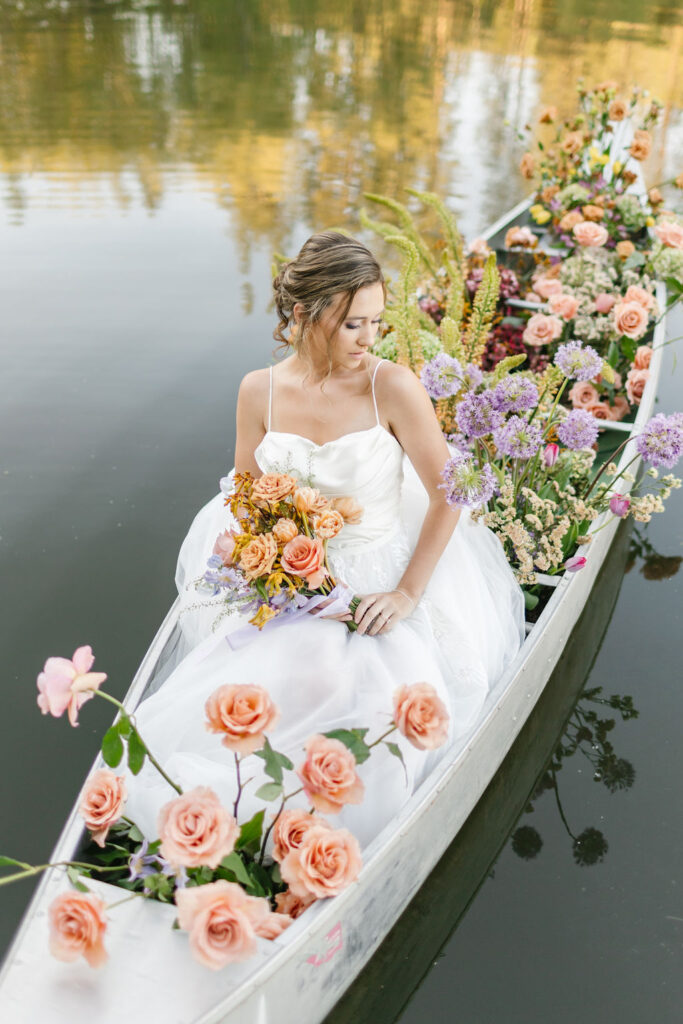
152	157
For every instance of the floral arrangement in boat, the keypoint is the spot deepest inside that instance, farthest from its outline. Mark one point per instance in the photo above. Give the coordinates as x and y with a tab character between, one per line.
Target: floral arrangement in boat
234	882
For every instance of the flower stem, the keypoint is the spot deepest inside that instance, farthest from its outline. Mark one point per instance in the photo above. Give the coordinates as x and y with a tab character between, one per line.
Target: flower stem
239	785
270	829
384	735
131	719
36	869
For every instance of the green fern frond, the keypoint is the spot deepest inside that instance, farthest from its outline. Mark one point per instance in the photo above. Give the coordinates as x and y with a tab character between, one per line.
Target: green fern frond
451	339
483	311
380	227
407	225
507	364
447	218
455	299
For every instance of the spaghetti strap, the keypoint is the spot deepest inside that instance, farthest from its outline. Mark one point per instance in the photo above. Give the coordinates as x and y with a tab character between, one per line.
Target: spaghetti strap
374	400
270	398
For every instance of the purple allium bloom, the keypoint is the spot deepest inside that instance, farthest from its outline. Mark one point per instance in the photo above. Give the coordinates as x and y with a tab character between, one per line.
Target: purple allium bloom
677	419
473	376
458	441
442	376
466	484
577	362
661	440
517	438
477	415
579	430
515	394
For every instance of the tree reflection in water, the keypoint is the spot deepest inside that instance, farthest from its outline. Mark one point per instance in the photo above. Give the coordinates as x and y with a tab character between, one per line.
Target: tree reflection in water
655	566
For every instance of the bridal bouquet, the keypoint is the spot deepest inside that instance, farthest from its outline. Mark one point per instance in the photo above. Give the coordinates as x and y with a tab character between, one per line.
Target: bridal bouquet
276	563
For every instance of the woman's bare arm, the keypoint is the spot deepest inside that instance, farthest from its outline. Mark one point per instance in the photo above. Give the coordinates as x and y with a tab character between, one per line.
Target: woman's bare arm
252	407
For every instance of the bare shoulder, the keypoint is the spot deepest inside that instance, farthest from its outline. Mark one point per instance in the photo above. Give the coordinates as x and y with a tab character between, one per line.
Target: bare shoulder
254	388
397	386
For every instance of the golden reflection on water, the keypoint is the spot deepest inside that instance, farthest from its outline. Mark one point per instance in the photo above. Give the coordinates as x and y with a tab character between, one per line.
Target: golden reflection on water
285	111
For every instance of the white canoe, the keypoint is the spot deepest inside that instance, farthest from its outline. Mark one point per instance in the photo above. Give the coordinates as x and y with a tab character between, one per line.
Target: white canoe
298	978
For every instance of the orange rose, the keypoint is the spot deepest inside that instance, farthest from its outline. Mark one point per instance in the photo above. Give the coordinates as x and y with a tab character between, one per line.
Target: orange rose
328	524
101	803
195	829
527	165
421	716
630	319
290	829
617	110
607	86
570	220
284	530
309	499
572	143
549	192
541	329
592	212
629	177
225	546
565	306
590	234
642	358
635	385
287	903
349	508
583	394
546	286
272	487
326	863
641	145
258	556
329	775
625	249
222	921
655	196
547	115
599	411
305	557
640	295
520	236
242	714
619	408
77	926
670	233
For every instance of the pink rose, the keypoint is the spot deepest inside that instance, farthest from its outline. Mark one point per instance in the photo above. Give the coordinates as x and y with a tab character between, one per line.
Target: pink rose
195	829
583	394
66	685
619	408
599	411
670	233
635	385
291	905
327	861
630	319
641	295
101	803
77	926
284	530
329	775
225	546
604	302
541	329
328	524
273	925
588	233
546	286
421	716
222	921
305	557
242	713
520	236
642	358
290	829
563	305
309	499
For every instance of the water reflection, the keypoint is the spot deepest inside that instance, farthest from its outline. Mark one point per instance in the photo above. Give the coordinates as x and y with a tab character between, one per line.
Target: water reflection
654	566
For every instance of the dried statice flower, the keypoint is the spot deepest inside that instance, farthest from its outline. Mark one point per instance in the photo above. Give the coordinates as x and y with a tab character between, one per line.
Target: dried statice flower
661	440
465	483
442	376
578	430
517	438
477	415
577	362
515	393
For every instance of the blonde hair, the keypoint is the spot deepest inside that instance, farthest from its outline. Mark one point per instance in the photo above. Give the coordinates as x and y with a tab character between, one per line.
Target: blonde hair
329	263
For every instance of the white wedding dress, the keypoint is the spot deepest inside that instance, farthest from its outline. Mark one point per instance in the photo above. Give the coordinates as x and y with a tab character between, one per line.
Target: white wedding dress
465	630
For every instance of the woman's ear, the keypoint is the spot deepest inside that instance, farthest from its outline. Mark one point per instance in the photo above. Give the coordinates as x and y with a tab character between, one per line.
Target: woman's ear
298	311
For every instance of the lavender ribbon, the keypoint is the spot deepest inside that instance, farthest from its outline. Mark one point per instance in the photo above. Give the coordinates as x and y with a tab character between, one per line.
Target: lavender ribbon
340	598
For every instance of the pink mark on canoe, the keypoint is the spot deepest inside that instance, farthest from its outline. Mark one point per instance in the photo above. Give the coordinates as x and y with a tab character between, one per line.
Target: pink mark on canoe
335	941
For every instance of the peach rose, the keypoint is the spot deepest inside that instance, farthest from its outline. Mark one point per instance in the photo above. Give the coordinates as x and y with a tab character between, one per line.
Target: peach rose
284	530
546	286
272	487
77	926
309	499
641	145
655	196
541	329
604	302
619	408
670	233
583	394
617	110
642	358
65	684
572	142
549	192
635	385
478	247
527	165
327	861
328	524
547	115
421	716
195	829
242	713
520	236
609	85
329	775
101	803
599	411
222	921
305	557
258	556
570	220
625	249
590	234
641	295
349	508
293	906
273	925
290	829
630	319
225	546
592	212
565	306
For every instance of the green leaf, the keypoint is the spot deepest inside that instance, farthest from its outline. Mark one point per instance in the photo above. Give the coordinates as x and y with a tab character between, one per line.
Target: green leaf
136	752
530	600
74	878
636	259
112	747
394	749
250	833
135	834
275	762
124	725
354	739
6	862
674	285
269	791
628	347
234	863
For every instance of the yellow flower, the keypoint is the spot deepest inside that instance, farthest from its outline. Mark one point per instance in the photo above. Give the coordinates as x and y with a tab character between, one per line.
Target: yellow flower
275	582
263	615
617	166
649	221
539	213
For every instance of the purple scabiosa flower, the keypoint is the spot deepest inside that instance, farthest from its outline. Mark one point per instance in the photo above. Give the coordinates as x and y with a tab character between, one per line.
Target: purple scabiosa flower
477	415
577	362
579	430
442	376
465	483
661	441
517	438
515	394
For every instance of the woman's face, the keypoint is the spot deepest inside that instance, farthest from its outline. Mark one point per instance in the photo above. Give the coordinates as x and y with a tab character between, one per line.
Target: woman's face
357	331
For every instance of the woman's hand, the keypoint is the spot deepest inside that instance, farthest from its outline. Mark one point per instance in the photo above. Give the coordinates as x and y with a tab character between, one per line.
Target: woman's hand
379	613
339	617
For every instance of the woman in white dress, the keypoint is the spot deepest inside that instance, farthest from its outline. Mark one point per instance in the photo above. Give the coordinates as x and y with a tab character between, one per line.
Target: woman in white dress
439	603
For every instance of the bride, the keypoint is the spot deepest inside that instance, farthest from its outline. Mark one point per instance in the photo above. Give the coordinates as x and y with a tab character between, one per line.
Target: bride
439	603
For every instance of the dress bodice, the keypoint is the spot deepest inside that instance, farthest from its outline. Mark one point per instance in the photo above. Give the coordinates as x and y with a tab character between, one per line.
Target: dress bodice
366	465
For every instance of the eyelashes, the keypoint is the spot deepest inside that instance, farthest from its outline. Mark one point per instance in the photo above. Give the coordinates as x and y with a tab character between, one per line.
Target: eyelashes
355	327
